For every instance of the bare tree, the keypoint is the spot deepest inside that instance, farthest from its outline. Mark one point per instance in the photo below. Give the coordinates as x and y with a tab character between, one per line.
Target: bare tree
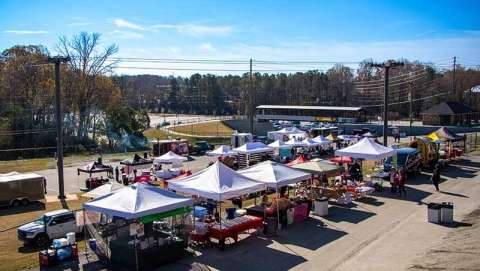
86	64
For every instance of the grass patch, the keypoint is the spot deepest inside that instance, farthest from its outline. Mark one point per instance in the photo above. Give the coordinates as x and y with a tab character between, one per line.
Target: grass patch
211	128
16	256
26	165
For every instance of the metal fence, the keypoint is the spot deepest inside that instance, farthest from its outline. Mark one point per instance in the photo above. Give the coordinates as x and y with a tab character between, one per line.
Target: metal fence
472	142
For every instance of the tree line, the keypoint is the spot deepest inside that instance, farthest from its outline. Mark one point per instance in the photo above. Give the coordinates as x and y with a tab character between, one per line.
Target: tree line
339	86
94	110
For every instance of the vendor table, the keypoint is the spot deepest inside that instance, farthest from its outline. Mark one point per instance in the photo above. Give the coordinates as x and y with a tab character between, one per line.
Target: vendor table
257	210
168	173
231	228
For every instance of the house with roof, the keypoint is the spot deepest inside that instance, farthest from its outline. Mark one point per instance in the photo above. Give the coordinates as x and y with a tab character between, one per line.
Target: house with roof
449	114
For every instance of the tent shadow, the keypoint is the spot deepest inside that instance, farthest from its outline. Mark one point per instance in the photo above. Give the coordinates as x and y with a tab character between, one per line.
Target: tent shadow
413	194
371	201
33	206
310	234
457	172
251	254
466	163
354	216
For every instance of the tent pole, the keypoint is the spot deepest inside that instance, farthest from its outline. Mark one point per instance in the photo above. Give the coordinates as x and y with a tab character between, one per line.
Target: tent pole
136	254
278	209
85	232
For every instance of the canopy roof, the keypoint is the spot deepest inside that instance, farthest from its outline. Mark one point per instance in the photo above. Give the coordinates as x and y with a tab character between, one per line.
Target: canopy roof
367	149
136	201
223	150
310	142
253	147
295	143
322	140
289	130
103	190
317	167
169	158
368	134
217	182
299	160
274	175
445	134
341	159
279	144
346	137
95	167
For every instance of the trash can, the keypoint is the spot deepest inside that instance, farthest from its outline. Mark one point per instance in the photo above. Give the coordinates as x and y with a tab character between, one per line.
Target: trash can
433	212
446	212
321	206
270	225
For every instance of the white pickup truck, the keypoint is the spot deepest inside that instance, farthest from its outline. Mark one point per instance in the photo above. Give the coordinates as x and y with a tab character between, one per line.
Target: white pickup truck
51	225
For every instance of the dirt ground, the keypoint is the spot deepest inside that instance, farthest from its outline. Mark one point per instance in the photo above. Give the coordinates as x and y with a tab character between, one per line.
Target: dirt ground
458	250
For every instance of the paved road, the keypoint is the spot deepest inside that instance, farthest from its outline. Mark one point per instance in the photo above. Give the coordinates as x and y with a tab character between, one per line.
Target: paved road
383	233
73	182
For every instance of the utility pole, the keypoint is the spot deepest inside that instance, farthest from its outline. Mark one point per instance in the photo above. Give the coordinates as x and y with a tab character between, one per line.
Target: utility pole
252	107
386	67
58	116
410	99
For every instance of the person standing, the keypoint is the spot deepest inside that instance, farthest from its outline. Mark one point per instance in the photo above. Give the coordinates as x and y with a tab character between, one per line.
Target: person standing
401	183
117	174
393	181
436	177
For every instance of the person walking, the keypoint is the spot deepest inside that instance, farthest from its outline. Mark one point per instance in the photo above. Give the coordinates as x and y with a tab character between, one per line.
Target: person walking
436	177
401	183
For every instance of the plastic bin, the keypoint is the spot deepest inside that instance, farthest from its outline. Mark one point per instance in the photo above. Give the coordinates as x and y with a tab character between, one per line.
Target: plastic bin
446	212
71	238
321	206
230	213
290	216
92	243
199	211
433	212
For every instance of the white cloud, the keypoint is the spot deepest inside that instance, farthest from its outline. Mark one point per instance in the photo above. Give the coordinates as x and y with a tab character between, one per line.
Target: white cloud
197	30
25	32
126	24
206	46
80	24
127	35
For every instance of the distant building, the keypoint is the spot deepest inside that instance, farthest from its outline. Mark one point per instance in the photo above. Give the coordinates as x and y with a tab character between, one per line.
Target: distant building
310	113
449	114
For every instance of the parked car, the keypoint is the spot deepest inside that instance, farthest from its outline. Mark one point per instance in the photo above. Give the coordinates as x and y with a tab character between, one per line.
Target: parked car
51	225
407	158
201	147
21	188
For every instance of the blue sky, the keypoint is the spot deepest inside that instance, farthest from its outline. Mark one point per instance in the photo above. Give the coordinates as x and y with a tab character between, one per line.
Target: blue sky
265	30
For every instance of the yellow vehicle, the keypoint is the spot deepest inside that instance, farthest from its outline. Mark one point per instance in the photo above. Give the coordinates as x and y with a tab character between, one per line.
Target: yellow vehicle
429	150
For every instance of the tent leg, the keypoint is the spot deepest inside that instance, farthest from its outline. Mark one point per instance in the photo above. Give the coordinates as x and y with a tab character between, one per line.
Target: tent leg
136	254
85	233
278	210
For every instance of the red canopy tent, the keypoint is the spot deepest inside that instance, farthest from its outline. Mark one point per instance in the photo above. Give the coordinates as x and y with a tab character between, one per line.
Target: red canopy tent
299	160
342	159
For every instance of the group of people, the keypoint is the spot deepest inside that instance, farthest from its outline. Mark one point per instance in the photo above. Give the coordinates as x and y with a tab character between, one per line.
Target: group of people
397	181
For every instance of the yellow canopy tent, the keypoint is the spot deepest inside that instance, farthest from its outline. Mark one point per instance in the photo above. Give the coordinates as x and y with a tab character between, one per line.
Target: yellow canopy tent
433	136
330	137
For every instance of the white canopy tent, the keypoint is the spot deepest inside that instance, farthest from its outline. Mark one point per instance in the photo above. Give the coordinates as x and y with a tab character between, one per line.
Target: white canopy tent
290	132
346	137
170	158
253	147
103	190
310	142
223	150
217	182
367	149
278	144
296	143
274	175
322	140
136	201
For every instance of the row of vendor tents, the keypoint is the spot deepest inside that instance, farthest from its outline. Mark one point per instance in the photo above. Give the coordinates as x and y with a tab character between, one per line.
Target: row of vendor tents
217	182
